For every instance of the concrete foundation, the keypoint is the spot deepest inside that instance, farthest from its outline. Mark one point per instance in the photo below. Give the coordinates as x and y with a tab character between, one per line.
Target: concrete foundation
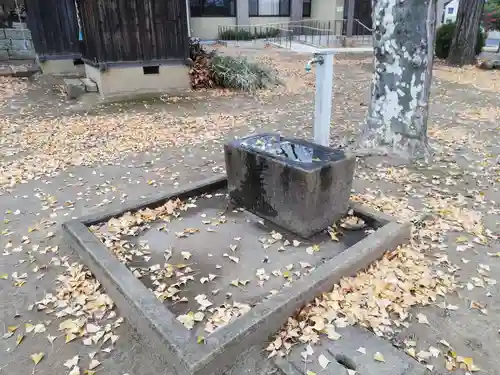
170	344
61	66
131	81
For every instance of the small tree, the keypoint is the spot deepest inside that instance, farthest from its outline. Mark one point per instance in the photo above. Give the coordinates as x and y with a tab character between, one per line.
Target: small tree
444	36
403	40
492	20
462	51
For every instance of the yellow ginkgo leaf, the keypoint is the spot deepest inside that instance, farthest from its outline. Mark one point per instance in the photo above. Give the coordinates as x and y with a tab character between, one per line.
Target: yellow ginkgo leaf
29	327
469	362
12	328
37	357
309	372
19	339
70	337
378	357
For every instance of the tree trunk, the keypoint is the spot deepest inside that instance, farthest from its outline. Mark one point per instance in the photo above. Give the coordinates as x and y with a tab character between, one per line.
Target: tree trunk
403	41
463	44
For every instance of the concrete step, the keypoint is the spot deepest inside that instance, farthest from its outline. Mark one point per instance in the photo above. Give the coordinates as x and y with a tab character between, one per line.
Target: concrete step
345	356
76	87
90	86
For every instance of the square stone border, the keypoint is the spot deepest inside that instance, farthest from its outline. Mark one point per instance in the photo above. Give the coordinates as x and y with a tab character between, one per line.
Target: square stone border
171	343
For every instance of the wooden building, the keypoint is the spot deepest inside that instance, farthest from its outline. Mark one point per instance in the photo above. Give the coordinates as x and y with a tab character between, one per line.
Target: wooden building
54	29
135	46
134	30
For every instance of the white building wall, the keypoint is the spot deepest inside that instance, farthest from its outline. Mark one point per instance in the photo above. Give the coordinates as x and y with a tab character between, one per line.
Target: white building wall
450	11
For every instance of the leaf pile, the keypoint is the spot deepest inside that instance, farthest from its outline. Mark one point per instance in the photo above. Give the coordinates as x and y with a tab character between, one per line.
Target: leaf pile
10	87
131	224
106	138
200	73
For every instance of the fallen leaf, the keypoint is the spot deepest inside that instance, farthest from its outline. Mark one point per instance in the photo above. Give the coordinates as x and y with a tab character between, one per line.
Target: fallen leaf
72	362
19	339
28	327
362	350
39	328
378	357
309	372
12	328
332	334
93	364
92	328
37	357
200	340
434	351
422	319
70	337
74	371
323	361
52	338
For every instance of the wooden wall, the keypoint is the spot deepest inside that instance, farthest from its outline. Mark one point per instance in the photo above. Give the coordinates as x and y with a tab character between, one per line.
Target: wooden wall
53	26
134	30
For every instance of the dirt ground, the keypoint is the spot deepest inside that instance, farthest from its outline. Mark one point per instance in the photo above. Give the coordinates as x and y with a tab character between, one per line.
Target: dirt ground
60	160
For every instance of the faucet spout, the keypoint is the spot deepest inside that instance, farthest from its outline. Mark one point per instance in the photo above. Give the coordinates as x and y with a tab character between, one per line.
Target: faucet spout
317	59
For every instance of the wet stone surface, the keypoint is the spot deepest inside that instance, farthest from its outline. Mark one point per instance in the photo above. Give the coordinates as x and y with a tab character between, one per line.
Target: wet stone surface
289	181
231	258
297	152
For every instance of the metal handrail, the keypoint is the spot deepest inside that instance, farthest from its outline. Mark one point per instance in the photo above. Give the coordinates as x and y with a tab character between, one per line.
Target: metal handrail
279	23
363	25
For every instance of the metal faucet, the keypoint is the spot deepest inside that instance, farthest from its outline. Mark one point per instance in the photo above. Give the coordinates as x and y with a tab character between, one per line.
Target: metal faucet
317	59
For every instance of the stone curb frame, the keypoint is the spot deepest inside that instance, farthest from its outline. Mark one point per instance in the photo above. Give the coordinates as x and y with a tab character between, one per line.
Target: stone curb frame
169	343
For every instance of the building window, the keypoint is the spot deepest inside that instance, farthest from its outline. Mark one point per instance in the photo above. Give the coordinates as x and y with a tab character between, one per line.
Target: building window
306	8
212	8
450	10
259	8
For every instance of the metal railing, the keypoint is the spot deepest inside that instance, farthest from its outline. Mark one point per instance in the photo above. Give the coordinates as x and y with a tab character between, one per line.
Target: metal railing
318	33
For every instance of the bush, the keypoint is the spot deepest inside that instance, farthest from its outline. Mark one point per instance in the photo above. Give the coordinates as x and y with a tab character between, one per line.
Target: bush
240	74
444	36
248	34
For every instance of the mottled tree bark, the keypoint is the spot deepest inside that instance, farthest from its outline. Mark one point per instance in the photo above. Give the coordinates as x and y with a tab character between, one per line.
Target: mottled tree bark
463	44
403	39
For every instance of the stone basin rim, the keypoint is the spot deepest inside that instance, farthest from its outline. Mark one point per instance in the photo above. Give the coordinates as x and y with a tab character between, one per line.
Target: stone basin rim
169	341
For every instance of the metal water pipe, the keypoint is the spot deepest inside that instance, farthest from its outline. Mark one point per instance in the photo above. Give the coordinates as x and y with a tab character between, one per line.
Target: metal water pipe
323	60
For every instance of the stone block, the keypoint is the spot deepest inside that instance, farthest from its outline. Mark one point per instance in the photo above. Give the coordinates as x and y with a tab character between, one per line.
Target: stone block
5	44
298	185
21	54
74	88
17	34
20	44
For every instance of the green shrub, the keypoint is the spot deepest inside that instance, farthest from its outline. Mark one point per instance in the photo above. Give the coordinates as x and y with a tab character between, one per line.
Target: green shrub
240	74
444	36
248	34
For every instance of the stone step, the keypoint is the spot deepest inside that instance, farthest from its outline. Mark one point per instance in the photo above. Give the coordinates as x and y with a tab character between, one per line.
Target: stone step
76	87
73	87
90	86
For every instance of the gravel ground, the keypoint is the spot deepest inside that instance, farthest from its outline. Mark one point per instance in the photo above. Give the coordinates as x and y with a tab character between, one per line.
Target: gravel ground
61	159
